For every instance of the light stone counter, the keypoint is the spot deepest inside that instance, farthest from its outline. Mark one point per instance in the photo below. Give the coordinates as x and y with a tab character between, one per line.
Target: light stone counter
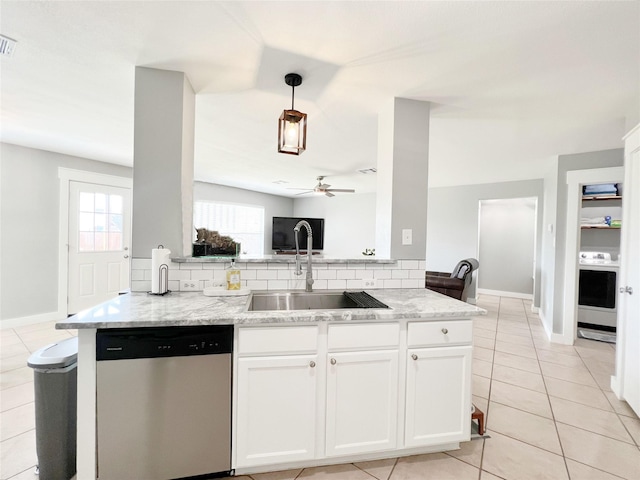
193	308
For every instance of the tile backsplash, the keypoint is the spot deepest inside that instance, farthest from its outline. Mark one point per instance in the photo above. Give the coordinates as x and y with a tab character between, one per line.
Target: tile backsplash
281	276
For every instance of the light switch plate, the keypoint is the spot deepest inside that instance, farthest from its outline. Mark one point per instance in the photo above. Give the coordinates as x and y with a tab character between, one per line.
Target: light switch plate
407	236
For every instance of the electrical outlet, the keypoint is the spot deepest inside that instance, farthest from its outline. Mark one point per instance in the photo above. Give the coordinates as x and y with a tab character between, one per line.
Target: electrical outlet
370	283
189	285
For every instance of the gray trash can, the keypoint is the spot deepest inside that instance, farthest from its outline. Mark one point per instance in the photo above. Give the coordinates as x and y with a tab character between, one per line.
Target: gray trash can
56	387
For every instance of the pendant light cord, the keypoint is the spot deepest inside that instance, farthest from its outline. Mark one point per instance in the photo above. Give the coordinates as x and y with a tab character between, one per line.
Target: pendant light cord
293	91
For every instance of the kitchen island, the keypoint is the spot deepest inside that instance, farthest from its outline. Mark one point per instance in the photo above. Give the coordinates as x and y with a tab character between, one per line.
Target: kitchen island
375	383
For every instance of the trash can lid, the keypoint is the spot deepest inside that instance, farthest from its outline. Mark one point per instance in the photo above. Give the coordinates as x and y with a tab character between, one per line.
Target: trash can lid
56	355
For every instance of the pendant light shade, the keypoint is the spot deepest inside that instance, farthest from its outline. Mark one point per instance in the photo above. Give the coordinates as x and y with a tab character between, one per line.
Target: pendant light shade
292	125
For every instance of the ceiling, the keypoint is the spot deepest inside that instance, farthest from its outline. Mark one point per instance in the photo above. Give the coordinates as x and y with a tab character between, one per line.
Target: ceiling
512	84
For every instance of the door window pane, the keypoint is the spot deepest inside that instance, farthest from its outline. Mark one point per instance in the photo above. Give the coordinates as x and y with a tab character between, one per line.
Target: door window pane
100	222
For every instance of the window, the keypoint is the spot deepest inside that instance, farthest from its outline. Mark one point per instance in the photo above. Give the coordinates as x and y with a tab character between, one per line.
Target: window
100	222
245	224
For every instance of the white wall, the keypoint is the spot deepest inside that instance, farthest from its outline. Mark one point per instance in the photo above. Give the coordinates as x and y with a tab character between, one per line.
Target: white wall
274	205
506	246
350	222
452	223
29	197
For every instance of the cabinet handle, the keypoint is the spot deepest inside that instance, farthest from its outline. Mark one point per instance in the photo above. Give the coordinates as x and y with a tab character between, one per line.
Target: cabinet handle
445	331
312	364
414	356
628	290
333	361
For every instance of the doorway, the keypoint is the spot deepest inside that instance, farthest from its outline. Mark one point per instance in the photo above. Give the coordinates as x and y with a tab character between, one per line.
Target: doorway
506	247
95	238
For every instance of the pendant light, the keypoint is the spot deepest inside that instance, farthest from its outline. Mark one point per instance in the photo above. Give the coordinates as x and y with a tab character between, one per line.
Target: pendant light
292	125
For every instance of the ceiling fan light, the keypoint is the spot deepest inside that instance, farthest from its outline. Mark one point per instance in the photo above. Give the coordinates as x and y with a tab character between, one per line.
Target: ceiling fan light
292	132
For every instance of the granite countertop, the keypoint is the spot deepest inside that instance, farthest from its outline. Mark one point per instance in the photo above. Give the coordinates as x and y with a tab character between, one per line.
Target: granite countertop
286	258
194	308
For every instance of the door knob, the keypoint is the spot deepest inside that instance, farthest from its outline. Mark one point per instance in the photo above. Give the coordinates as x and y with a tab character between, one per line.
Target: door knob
312	364
445	331
414	356
126	256
333	361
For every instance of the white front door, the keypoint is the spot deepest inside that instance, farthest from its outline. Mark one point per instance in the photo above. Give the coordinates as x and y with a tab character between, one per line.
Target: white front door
99	243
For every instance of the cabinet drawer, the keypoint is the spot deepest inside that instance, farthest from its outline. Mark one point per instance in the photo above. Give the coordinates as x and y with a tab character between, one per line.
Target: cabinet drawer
277	340
440	333
377	335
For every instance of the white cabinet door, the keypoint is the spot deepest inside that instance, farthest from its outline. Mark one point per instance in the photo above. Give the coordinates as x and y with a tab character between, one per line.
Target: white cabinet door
438	399
362	400
276	409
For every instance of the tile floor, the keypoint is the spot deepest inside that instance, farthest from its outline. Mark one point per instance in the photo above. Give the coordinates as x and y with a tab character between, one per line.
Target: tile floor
550	412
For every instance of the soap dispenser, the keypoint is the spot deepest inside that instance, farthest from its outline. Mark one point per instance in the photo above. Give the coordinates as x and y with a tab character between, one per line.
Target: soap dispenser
233	277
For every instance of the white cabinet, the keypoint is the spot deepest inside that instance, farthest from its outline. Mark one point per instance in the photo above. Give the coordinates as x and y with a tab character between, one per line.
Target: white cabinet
438	390
276	409
438	395
362	401
304	394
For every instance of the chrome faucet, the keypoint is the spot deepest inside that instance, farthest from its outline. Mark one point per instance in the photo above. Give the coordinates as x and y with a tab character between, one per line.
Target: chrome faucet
309	277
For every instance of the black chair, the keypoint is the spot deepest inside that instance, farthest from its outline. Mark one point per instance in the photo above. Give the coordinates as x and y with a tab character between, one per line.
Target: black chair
454	284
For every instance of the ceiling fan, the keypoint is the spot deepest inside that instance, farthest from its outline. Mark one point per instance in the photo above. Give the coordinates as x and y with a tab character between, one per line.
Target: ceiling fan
323	189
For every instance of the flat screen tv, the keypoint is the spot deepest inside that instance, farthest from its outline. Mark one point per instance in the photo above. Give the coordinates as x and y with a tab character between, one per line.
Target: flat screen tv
282	237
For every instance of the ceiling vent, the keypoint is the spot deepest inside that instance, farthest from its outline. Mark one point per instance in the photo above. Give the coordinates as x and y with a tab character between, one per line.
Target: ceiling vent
7	46
367	171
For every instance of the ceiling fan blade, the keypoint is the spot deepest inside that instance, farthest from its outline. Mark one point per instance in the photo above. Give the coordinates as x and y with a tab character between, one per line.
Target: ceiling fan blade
323	186
305	192
293	188
341	190
328	193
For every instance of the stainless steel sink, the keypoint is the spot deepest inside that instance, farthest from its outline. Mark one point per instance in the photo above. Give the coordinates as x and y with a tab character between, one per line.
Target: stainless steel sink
262	301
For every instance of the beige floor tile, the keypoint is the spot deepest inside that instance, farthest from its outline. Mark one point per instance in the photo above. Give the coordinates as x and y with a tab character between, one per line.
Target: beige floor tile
513	376
633	427
594	345
241	477
334	472
560	358
17	361
589	418
16	377
9	338
520	329
545	344
18	454
515	361
579	375
13	350
481	332
515	349
482	368
380	469
580	471
17	421
50	326
603	380
438	465
483	342
44	336
619	406
282	475
470	452
485	323
600	452
484	475
16	396
575	392
517	339
526	427
483	354
480	386
520	398
481	403
514	460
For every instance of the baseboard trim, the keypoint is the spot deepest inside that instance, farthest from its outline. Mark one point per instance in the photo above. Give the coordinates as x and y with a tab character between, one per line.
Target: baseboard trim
31	320
500	293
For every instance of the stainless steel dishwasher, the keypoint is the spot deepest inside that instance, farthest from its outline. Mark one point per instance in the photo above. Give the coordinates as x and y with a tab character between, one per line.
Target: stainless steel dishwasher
164	402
